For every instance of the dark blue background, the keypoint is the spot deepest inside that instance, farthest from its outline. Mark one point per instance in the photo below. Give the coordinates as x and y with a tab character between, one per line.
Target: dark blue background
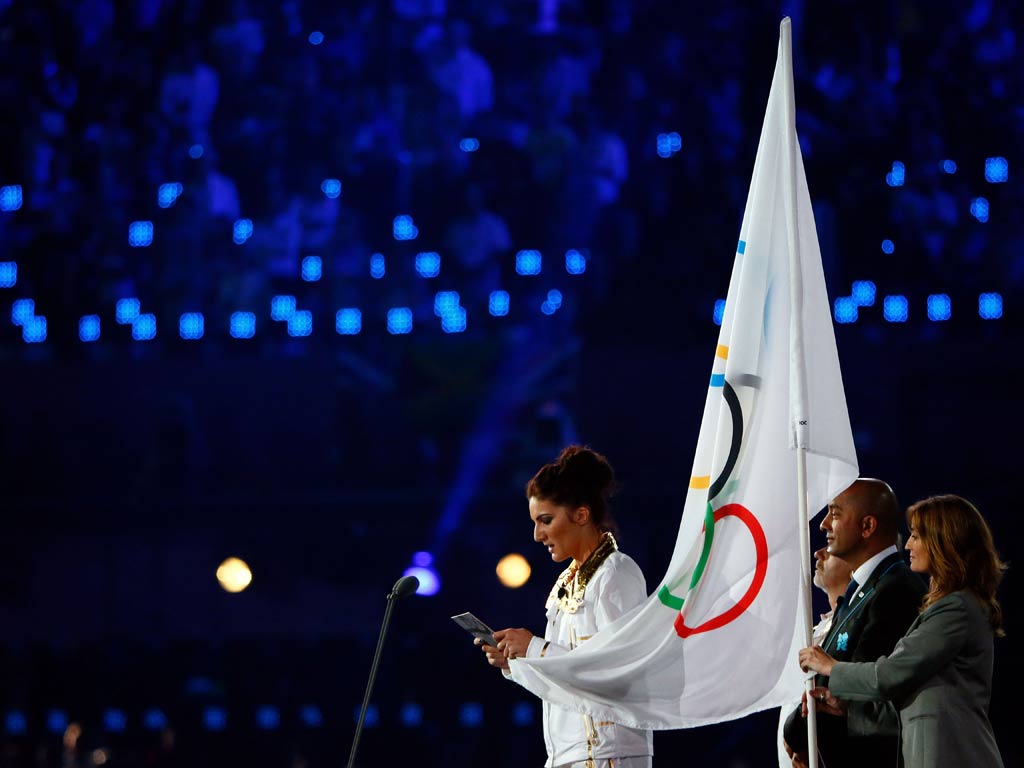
132	468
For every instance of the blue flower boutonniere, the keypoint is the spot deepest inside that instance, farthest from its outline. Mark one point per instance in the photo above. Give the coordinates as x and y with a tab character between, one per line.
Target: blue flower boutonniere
842	641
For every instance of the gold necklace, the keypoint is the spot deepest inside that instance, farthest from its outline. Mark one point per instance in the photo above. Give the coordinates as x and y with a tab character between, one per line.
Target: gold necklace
571	586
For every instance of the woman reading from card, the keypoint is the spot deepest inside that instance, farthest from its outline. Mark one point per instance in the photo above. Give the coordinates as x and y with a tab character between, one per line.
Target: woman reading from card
568	502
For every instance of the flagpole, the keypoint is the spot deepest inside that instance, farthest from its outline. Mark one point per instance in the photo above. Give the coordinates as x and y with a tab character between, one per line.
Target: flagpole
805	558
798	373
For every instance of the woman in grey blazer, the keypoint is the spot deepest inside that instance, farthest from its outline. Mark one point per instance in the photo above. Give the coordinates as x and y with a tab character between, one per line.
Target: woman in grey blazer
939	676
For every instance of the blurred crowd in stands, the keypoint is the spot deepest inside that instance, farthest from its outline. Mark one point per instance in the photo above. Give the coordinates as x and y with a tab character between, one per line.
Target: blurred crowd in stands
497	126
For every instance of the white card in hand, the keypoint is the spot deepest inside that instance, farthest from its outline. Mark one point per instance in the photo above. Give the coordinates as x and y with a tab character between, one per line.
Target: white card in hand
475	627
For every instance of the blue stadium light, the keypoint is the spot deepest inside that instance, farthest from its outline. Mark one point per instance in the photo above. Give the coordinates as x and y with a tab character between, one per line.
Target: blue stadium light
663	146
719	312
430	582
399	320
555	298
668	144
372	717
15	723
312	268
979	209
144	328
348	321
140	234
168	194
990	306
154	719
864	293
34	330
471	714
897	175
411	714
243	325
301	323
268	718
498	303
528	262
56	721
428	264
23	310
445	302
311	716
939	307
11	198
215	719
949	166
114	721
331	188
895	309
548	307
8	274
888	246
195	151
575	262
469	144
523	713
316	37
242	231
423	559
191	325
127	311
282	307
845	310
997	170
377	266
454	321
403	228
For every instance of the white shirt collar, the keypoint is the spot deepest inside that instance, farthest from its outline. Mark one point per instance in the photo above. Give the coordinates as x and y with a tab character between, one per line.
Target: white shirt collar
863	573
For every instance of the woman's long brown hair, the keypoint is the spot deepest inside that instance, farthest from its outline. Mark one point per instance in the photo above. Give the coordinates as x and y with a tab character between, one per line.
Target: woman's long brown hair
961	552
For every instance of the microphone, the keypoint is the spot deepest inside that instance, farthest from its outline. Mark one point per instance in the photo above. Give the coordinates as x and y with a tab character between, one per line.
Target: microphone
404	587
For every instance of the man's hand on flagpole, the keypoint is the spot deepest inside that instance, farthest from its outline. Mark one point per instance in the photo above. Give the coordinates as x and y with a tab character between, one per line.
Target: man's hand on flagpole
797	759
814	659
824	702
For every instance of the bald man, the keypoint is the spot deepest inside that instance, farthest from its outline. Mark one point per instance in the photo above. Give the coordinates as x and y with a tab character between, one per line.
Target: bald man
862	527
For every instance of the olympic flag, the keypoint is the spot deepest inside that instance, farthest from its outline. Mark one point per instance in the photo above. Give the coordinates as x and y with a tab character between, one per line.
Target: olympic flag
719	638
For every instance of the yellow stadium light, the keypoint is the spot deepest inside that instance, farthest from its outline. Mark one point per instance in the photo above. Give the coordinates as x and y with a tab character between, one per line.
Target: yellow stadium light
234	575
513	571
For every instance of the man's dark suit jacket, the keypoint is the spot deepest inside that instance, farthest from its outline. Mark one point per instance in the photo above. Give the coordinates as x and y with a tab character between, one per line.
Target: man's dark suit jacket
879	614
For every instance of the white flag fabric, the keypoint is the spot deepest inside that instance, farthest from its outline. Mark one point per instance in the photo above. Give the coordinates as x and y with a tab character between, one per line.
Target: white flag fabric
719	639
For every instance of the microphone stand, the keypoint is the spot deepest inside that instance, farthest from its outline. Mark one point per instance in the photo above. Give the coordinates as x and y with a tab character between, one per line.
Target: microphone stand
401	589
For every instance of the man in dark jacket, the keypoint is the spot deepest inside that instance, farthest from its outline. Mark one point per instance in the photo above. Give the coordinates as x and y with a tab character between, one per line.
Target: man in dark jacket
883	599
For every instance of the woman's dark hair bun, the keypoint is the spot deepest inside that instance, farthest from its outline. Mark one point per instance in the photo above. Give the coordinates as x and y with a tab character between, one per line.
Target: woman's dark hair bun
579	477
586	468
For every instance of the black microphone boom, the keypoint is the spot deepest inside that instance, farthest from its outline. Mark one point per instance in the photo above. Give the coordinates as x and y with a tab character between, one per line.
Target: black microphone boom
404	587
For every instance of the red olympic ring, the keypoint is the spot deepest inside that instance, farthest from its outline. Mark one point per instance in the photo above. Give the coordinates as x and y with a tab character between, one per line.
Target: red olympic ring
760	571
